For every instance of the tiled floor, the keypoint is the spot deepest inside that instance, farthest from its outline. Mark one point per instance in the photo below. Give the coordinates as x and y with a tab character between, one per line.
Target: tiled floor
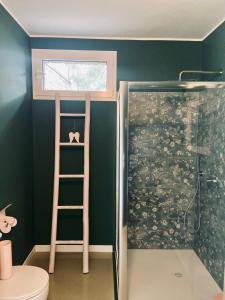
69	283
168	275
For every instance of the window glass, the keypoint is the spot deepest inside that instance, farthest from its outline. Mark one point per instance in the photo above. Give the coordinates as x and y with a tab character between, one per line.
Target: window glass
74	75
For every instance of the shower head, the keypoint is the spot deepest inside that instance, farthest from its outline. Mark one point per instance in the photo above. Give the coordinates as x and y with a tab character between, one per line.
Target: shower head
215	73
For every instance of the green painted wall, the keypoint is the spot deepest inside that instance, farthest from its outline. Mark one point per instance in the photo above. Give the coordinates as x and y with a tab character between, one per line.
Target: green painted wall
213	51
136	61
16	132
102	181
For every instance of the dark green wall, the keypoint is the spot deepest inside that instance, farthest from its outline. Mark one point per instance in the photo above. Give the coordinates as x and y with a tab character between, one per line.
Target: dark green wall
213	57
16	132
136	61
102	180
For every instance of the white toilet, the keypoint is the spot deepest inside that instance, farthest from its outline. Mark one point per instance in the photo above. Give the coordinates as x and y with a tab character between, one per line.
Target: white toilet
27	282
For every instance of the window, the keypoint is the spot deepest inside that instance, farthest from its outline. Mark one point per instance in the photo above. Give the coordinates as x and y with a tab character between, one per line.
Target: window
74	73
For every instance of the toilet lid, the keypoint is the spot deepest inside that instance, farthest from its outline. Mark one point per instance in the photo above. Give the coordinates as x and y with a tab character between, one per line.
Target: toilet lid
26	282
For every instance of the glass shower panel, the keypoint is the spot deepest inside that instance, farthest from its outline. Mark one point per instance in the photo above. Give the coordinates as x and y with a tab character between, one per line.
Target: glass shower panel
163	162
210	239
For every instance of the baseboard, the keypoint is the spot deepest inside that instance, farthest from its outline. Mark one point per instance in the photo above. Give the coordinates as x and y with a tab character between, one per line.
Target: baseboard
75	248
68	248
29	257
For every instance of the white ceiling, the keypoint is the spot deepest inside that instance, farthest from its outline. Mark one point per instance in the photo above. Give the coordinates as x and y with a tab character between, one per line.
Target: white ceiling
122	19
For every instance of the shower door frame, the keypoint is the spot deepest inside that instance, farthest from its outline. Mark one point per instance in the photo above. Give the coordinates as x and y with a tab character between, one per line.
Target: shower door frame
122	163
122	190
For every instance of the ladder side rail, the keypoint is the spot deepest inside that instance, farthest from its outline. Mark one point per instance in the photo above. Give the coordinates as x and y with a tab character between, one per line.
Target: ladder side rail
56	185
86	187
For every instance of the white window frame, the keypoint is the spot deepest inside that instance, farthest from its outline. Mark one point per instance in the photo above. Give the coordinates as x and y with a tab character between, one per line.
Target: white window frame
38	55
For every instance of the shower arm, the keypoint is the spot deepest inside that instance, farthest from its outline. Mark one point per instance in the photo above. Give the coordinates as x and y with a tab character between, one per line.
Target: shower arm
199	72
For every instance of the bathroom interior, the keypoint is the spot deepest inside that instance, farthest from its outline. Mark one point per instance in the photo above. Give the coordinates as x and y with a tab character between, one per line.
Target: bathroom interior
112	150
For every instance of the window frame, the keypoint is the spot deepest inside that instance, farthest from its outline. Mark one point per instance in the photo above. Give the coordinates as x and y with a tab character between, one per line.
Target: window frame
39	55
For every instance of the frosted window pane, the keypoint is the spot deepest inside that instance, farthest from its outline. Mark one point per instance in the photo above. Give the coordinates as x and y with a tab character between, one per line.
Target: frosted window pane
75	75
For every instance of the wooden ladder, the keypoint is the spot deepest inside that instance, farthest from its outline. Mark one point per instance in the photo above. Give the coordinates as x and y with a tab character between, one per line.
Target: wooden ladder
58	176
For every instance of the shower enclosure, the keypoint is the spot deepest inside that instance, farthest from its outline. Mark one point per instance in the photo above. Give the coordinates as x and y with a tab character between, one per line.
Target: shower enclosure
170	190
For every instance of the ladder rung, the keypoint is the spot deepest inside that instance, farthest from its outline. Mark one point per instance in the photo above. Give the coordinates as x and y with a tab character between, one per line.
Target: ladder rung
71	176
71	144
69	242
70	207
71	115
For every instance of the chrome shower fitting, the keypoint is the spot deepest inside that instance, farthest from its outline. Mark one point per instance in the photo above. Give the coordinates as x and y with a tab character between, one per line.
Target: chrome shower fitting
202	173
213	180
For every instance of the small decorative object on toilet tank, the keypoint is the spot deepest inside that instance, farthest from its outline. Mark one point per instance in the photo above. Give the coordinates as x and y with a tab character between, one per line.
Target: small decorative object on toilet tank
6	224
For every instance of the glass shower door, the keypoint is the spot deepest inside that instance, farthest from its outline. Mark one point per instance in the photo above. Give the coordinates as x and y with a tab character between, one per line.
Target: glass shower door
175	138
122	190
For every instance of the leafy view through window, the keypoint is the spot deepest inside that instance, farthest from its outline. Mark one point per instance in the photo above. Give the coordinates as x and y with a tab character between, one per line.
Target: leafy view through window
75	75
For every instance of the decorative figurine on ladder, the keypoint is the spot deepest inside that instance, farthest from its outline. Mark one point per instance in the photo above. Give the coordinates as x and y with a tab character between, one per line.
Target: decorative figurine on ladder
74	135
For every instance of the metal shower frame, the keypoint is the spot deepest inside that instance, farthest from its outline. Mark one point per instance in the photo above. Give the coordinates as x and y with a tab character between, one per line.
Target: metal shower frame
122	162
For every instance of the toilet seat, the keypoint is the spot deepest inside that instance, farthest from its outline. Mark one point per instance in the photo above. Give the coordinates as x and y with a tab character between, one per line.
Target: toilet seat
26	283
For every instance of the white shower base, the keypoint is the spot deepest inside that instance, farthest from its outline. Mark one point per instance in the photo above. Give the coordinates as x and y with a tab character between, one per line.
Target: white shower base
168	275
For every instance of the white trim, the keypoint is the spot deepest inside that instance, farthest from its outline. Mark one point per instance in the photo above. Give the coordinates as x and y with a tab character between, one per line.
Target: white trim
75	248
29	257
213	29
108	57
123	38
15	19
80	98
